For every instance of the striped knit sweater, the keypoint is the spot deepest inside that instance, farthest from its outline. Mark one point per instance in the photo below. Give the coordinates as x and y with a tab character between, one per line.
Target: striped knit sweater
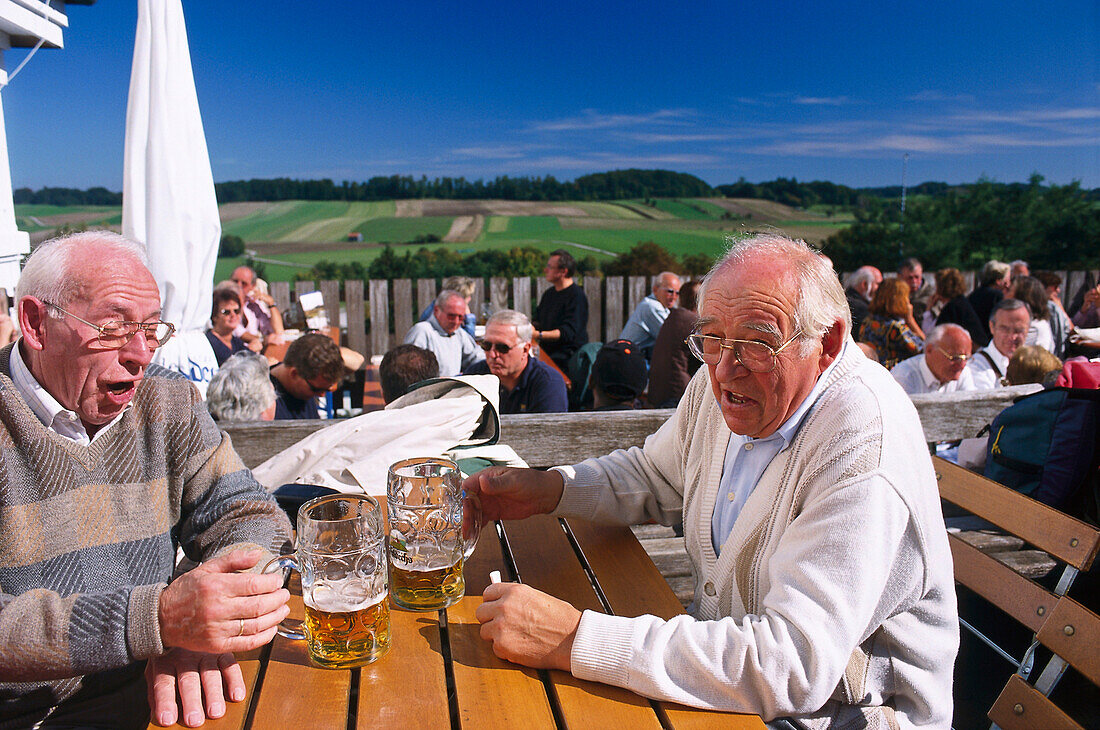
88	539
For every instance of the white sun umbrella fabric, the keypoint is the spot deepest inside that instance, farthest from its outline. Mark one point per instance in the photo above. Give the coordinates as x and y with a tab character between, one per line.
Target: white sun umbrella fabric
168	200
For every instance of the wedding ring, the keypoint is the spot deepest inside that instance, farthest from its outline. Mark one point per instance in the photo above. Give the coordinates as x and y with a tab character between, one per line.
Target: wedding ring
241	631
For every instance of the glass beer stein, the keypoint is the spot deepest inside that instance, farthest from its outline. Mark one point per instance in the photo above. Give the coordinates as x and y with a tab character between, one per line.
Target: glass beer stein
341	558
433	529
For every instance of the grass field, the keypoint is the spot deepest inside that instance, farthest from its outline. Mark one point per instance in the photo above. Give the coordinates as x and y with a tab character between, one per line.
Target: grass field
305	232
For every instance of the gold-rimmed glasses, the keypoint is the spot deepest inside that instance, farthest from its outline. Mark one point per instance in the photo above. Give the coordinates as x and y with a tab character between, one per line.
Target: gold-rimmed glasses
755	356
953	358
114	334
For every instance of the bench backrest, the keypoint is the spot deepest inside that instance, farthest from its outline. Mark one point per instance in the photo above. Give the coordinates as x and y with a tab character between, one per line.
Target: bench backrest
1065	627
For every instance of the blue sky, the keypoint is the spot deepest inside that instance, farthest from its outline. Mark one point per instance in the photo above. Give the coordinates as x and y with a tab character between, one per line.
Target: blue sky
349	90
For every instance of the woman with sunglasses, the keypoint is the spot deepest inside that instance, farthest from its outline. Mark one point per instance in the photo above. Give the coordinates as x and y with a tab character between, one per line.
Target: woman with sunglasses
224	318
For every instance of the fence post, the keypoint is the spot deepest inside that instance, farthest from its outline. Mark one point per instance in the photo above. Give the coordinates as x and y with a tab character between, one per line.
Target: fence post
593	291
425	294
498	293
357	317
613	308
330	291
280	292
521	288
635	293
379	316
403	312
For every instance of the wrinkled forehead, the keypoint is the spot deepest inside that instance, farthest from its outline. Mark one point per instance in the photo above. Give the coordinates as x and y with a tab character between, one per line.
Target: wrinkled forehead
751	296
100	279
498	332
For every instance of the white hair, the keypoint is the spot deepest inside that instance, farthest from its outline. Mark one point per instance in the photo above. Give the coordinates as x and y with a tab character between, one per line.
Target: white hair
447	295
47	274
940	331
820	297
862	275
510	317
241	389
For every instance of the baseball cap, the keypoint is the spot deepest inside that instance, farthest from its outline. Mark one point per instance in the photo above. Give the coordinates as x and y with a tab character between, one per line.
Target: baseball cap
620	370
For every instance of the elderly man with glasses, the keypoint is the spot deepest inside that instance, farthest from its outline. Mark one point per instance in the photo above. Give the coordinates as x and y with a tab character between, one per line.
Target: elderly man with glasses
824	591
646	319
941	368
526	385
107	472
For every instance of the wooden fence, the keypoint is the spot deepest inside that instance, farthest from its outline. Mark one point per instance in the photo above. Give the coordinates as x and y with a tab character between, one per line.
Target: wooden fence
377	319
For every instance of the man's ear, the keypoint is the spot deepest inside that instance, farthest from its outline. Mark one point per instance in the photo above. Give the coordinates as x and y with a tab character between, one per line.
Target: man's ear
33	314
831	344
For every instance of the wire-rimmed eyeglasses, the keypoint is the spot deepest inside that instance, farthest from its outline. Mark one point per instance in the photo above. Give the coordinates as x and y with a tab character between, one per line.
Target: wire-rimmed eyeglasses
953	358
757	357
114	334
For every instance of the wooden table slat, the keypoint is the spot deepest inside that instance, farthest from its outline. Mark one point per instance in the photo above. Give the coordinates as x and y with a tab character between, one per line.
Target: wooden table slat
633	586
413	668
489	687
583	703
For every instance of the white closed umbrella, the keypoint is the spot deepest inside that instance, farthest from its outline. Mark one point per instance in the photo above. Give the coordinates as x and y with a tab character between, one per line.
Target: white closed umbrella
168	200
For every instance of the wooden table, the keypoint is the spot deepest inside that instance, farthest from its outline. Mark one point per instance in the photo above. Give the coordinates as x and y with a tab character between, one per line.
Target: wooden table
439	673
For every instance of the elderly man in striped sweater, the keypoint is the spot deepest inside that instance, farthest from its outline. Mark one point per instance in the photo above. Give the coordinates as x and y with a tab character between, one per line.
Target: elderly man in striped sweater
106	471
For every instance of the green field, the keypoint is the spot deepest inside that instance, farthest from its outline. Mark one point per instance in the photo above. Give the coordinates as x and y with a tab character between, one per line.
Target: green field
307	220
305	232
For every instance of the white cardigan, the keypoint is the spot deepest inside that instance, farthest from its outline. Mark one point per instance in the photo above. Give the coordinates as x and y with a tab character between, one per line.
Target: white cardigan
833	595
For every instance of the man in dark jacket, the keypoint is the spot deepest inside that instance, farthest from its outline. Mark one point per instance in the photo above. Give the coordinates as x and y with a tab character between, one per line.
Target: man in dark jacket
561	320
861	289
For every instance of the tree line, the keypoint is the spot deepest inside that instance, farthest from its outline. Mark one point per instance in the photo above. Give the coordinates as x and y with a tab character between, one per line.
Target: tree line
613	185
1051	227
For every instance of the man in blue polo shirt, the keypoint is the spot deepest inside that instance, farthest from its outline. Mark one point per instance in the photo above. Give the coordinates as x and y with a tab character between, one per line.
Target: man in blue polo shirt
526	384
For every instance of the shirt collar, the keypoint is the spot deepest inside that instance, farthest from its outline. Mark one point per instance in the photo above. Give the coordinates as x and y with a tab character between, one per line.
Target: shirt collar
1001	360
439	328
926	374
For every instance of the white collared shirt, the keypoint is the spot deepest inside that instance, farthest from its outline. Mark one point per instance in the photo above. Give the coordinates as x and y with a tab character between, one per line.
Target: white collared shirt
916	377
985	378
52	414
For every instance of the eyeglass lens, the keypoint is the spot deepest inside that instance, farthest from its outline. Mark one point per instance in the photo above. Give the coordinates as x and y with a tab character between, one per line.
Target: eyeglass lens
755	356
500	347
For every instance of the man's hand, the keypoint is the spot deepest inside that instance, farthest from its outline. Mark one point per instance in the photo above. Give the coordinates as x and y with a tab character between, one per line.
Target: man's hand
195	677
527	626
506	493
214	609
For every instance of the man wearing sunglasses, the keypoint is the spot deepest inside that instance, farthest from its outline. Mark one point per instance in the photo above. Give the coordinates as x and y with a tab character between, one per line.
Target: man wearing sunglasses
108	471
941	368
824	590
646	319
312	366
526	385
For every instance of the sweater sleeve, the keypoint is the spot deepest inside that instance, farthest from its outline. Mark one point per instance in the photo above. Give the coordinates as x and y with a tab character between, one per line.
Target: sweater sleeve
46	635
633	485
834	582
223	507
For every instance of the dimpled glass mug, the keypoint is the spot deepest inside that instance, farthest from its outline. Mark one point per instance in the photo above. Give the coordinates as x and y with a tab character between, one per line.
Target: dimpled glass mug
341	558
433	529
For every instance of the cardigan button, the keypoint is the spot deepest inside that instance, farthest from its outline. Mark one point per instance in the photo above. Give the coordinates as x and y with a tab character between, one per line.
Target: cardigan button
708	588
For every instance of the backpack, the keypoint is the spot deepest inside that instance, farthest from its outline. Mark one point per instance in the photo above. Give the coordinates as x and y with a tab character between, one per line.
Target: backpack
1045	446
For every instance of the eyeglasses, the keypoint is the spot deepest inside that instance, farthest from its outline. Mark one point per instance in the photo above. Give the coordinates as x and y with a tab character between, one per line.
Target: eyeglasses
228	312
500	347
115	334
1009	330
754	356
953	358
674	292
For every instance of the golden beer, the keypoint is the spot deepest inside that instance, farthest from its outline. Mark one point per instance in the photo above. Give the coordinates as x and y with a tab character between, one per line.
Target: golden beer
345	639
422	588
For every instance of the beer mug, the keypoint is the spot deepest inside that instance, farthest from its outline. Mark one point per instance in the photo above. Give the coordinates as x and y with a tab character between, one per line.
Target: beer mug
433	529
341	558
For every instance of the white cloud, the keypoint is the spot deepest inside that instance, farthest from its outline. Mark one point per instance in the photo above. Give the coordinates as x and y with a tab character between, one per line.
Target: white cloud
934	95
591	119
656	138
822	100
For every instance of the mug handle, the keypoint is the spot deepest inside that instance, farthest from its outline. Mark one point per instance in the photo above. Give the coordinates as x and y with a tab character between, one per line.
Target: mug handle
290	628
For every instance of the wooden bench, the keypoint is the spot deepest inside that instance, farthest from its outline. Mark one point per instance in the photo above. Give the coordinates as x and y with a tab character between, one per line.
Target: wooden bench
1067	629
